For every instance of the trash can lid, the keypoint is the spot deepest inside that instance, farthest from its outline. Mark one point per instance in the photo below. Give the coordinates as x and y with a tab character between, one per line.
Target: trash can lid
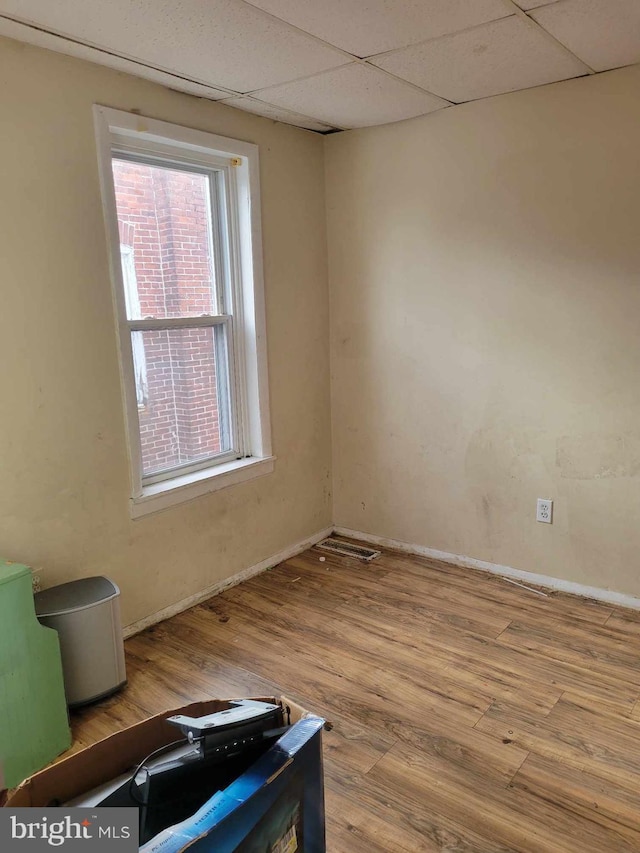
75	595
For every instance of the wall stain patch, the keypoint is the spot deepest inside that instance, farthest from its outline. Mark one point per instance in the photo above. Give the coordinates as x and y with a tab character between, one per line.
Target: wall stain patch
598	457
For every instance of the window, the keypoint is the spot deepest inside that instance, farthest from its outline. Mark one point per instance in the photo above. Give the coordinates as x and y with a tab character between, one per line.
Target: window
182	215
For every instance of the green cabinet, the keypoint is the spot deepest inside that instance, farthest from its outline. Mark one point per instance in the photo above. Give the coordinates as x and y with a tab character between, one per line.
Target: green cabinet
34	726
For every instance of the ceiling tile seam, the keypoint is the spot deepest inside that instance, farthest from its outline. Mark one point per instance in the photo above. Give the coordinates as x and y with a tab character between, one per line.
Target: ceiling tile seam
523	89
411	85
292	113
470	29
252	92
107	52
531	22
355	61
354	56
299	30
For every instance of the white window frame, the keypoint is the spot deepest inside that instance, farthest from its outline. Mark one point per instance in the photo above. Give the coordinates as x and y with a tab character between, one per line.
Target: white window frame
118	131
132	304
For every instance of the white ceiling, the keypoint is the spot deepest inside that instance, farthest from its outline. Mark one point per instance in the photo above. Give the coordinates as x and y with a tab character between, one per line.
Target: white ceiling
334	64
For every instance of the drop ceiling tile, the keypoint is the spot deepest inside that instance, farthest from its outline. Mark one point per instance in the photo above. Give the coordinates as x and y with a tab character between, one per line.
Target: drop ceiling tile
218	43
20	32
502	56
353	96
260	108
603	33
365	27
533	4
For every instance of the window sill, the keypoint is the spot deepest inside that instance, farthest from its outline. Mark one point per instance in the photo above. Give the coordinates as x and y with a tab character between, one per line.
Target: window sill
189	486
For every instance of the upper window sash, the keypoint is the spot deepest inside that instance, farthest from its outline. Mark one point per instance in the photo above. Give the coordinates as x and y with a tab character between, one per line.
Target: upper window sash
221	216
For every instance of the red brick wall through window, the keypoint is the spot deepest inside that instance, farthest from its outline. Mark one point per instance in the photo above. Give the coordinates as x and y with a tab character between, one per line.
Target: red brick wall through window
163	215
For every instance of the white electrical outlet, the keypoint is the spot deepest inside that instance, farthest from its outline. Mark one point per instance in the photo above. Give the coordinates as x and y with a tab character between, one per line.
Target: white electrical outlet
544	511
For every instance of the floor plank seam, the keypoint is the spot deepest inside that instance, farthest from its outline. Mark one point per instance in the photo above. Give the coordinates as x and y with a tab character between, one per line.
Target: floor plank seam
519	768
484	714
506	628
632	711
547	713
379	759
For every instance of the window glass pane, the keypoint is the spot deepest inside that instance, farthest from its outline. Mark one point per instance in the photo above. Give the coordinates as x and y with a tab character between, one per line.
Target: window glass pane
164	219
186	415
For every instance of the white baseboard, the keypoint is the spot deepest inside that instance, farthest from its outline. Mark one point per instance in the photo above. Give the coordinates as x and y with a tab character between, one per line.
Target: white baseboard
214	589
606	595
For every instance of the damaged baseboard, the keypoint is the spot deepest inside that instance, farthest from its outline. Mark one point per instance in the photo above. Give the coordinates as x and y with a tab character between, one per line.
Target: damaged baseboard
605	595
214	589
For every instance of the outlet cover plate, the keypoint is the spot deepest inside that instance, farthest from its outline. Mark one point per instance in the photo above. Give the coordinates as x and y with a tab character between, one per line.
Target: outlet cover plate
544	510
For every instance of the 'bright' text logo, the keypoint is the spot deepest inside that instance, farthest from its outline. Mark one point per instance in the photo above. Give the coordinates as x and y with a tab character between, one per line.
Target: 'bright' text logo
53	832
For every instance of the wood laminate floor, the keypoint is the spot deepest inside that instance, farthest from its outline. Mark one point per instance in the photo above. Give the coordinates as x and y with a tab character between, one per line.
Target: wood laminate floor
469	714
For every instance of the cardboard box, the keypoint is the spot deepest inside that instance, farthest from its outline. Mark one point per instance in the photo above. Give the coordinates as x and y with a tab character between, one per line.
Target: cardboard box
277	805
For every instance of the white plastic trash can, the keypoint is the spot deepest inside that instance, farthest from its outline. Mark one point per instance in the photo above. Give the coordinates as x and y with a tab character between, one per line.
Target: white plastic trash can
86	615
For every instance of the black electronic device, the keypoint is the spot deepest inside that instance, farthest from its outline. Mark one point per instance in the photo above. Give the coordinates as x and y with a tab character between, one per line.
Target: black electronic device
244	723
174	781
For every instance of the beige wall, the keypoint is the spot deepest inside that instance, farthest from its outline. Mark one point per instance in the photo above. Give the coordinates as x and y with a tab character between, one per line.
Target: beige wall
485	293
64	481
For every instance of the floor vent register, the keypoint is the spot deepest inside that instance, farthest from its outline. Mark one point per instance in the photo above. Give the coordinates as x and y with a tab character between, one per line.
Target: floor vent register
337	546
